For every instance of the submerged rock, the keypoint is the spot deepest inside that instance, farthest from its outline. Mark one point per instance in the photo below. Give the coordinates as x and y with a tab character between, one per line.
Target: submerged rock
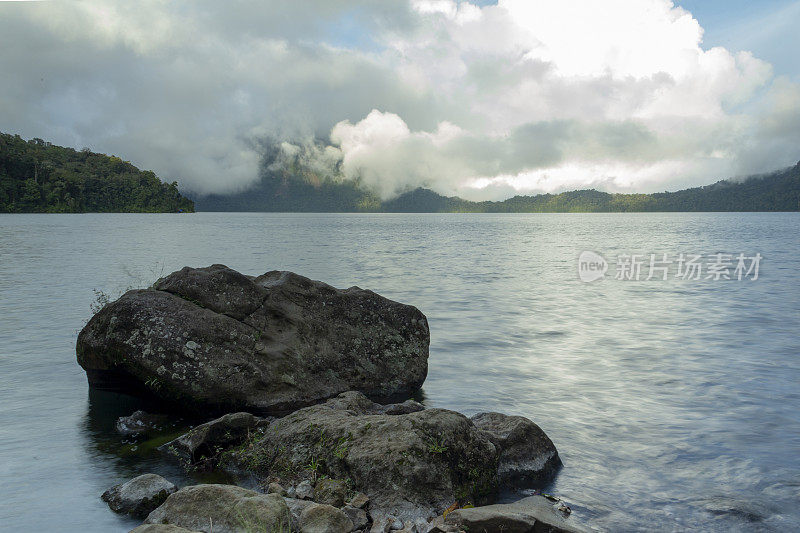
412	466
139	496
206	441
527	455
140	424
214	338
223	509
528	515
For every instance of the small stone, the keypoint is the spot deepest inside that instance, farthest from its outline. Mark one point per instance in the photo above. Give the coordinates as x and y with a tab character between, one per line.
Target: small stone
291	492
160	528
408	406
379	526
444	528
357	516
139	496
320	518
385	523
305	491
359	501
331	492
296	508
276	488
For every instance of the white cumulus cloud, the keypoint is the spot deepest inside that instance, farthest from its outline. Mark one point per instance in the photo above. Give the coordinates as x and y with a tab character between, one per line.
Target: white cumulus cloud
481	101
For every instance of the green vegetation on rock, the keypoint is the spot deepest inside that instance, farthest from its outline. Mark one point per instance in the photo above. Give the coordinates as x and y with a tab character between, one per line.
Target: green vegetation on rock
39	177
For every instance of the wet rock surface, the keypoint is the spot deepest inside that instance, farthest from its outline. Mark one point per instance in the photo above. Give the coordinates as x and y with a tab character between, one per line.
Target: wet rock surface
212	338
139	496
141	424
411	466
527	455
528	515
222	509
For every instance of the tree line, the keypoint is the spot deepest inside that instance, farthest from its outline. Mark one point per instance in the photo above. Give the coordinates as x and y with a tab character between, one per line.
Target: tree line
39	177
286	189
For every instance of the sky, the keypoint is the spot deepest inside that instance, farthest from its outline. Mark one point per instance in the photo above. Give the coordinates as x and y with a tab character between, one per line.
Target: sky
483	100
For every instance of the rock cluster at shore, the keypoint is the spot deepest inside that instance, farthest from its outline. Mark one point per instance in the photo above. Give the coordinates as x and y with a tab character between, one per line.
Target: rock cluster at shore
211	339
232	509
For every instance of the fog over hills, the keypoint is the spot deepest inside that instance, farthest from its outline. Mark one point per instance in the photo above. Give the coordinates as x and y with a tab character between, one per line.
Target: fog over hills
280	191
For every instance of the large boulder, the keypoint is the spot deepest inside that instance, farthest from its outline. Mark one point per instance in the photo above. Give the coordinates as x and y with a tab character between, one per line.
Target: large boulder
223	509
139	496
412	466
528	457
534	514
214	338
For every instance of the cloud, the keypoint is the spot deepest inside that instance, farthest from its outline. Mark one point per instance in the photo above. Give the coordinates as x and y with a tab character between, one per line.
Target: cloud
187	89
482	101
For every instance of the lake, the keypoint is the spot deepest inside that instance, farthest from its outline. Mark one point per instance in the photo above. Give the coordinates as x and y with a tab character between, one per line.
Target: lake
675	404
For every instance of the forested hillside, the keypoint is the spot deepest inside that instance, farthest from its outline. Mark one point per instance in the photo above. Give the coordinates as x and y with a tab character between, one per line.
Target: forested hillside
297	191
39	177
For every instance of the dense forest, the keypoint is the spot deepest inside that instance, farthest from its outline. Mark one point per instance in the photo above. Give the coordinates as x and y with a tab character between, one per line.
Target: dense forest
39	177
291	190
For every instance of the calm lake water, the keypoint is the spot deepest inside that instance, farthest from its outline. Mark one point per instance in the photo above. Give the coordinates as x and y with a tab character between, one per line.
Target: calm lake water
674	404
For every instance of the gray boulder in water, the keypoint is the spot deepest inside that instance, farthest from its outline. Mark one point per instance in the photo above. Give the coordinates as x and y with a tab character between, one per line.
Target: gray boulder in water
139	496
527	455
532	514
212	338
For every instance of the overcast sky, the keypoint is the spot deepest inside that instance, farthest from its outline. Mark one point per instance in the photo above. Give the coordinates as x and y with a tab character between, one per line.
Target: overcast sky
483	100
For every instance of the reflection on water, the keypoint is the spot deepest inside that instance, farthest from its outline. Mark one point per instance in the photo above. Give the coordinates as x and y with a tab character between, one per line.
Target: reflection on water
128	454
674	405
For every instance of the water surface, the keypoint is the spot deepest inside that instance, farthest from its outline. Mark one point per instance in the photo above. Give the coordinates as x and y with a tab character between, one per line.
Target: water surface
674	404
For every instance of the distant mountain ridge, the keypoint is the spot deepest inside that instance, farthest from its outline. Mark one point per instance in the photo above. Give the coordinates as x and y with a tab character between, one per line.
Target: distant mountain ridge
284	191
37	176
